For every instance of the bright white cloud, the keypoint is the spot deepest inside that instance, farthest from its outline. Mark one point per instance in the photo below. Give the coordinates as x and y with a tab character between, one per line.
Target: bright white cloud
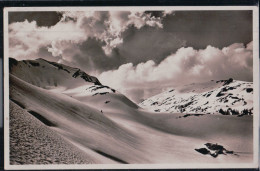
75	27
185	66
26	37
168	12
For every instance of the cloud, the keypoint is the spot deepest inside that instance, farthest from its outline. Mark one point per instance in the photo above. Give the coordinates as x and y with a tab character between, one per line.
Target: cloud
142	49
133	35
74	28
185	66
95	41
26	38
168	12
108	26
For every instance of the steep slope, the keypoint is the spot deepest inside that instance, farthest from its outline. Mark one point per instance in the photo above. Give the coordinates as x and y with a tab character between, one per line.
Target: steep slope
76	121
109	128
30	137
49	75
125	134
63	79
225	96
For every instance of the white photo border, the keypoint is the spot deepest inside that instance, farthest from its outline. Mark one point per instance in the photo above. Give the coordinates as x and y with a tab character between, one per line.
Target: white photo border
255	32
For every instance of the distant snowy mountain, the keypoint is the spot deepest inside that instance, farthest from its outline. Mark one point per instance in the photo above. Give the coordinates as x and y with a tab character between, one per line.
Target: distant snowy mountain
61	115
228	97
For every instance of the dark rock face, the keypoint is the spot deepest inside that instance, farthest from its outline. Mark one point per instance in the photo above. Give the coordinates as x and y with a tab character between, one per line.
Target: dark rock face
220	94
154	103
203	151
222	112
86	77
230	111
12	62
226	82
76	74
212	146
230	80
36	63
214	150
249	90
103	93
225	89
59	66
101	86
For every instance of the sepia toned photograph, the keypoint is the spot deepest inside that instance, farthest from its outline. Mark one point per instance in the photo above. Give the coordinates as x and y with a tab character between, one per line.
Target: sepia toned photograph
131	87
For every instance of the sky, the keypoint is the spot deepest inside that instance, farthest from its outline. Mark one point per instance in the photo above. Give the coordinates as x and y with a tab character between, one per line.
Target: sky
139	53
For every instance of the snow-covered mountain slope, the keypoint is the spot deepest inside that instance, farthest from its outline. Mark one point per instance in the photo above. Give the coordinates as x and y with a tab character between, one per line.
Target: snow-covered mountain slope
78	122
122	133
228	97
49	75
107	127
57	77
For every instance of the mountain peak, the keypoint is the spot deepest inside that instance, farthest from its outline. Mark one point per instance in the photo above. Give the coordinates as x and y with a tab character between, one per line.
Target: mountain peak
46	73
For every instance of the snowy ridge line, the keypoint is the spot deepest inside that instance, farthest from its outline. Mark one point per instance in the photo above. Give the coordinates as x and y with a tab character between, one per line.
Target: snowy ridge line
227	97
41	72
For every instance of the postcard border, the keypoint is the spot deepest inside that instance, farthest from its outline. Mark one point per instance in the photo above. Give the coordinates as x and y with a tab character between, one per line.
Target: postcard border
254	164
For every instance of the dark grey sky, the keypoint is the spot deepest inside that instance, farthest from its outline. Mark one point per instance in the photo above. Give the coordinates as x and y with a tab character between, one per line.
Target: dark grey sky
42	18
216	28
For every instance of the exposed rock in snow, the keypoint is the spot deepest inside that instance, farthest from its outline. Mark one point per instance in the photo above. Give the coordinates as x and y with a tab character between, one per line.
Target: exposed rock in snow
214	150
69	119
46	74
228	97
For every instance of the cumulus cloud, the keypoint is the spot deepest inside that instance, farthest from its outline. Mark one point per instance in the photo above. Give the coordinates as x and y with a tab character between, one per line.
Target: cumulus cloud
75	27
26	38
141	49
185	66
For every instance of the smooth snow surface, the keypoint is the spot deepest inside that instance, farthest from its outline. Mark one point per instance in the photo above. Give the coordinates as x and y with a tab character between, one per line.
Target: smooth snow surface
103	126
